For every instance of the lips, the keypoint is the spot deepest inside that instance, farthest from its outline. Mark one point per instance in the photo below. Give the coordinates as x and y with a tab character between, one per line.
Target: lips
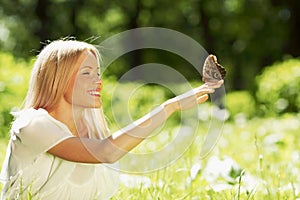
95	92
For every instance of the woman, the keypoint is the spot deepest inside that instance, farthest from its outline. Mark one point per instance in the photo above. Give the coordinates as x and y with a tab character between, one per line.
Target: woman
60	145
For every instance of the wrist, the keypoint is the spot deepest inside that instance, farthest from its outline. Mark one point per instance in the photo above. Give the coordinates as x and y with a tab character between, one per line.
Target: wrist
170	106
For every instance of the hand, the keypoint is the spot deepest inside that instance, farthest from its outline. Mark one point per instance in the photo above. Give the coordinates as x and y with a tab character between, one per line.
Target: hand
194	96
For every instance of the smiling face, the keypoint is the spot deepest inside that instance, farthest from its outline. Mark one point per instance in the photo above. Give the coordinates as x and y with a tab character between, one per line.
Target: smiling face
86	85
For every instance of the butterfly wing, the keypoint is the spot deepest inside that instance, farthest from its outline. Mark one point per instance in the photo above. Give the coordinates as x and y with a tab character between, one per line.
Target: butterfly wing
212	70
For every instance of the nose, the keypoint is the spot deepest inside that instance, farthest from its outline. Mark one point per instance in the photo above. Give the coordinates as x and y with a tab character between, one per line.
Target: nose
99	82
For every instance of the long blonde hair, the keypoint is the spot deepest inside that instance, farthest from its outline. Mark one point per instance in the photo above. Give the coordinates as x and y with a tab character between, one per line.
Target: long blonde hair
51	75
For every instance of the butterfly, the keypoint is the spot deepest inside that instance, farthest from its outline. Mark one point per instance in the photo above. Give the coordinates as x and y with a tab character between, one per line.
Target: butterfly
212	70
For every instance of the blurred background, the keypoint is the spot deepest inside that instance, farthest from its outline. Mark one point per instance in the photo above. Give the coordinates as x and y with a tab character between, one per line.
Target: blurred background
257	41
246	35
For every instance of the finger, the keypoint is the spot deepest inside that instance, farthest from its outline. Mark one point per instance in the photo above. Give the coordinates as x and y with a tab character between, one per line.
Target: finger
202	98
201	91
220	82
214	84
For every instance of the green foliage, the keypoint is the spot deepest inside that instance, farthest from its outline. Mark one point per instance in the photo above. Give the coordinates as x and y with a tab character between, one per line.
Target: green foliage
125	102
278	88
234	30
240	102
14	75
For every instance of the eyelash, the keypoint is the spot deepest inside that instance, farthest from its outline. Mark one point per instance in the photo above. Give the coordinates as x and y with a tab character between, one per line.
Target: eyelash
88	73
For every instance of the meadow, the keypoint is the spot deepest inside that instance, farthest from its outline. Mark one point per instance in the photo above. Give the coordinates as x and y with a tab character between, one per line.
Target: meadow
253	159
257	155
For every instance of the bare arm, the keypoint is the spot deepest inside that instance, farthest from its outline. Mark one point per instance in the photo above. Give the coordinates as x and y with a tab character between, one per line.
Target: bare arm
118	144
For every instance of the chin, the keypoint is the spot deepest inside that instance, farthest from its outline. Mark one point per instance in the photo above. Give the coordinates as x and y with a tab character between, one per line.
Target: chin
89	105
97	105
94	106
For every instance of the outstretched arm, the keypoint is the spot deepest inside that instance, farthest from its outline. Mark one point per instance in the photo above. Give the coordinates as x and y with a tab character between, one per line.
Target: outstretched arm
118	144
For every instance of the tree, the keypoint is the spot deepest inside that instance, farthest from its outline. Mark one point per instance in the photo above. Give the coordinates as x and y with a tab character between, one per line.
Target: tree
245	35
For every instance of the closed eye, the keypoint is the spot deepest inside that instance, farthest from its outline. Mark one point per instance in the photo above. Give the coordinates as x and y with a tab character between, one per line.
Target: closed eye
87	70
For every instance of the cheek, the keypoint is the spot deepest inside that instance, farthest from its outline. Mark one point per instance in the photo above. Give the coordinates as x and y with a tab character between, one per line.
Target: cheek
79	89
69	94
72	91
70	87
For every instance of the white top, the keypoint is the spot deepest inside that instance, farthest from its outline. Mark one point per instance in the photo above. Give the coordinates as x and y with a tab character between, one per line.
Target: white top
29	170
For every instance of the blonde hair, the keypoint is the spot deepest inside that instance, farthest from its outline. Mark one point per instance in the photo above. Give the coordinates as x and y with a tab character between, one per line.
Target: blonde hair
51	75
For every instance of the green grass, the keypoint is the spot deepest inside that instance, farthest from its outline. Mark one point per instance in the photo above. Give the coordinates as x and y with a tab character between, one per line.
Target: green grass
253	159
267	165
3	145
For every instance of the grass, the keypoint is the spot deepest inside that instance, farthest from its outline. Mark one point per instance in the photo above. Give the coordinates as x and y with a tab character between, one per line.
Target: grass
262	156
253	159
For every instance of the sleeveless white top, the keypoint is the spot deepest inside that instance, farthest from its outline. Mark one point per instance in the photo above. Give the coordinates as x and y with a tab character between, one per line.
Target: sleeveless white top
28	170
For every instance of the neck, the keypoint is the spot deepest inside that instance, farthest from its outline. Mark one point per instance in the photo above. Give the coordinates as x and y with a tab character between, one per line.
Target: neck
70	116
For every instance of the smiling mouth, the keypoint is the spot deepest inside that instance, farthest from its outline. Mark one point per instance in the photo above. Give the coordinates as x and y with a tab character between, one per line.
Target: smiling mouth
95	93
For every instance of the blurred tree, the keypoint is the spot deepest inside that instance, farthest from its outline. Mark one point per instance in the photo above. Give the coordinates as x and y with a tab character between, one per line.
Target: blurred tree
290	12
245	34
17	21
41	11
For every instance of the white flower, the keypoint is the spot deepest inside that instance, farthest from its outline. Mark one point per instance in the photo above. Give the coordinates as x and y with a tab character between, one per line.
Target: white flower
135	181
